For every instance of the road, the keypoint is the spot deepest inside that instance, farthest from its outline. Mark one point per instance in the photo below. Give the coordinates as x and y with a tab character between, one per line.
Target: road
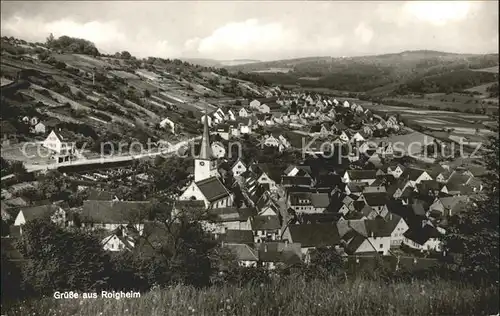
103	160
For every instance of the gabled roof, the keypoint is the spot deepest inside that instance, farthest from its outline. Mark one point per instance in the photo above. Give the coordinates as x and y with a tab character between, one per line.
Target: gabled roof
279	252
39	212
378	227
320	200
362	174
296	181
238	236
243	252
265	222
454	203
212	189
114	212
420	234
315	235
412	173
376	199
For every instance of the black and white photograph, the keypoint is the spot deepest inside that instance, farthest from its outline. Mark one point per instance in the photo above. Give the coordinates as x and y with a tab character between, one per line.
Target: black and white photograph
249	158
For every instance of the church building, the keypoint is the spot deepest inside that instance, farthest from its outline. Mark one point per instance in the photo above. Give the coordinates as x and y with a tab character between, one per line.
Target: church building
207	186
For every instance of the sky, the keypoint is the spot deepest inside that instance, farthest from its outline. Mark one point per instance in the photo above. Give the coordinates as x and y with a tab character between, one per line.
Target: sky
261	30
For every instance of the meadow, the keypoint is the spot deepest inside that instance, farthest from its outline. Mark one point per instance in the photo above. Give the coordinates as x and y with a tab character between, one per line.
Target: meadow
286	297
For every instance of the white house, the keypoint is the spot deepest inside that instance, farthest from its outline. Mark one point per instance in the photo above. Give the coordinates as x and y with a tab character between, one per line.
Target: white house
254	104
230	115
168	122
57	143
238	168
39	128
243	113
264	108
218	150
114	242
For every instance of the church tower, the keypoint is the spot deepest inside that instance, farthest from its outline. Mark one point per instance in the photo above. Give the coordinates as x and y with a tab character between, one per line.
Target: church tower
205	166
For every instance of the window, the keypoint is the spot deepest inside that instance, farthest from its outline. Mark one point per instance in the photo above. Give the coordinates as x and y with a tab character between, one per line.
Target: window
381	246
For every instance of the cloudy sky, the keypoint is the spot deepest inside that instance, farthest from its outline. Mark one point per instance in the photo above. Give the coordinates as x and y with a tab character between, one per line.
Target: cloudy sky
260	30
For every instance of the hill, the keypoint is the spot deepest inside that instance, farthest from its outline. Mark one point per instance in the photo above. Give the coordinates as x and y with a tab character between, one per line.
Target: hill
219	63
67	83
373	74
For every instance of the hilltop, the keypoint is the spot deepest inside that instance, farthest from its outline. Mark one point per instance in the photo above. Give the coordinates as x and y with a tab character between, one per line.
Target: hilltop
388	74
219	63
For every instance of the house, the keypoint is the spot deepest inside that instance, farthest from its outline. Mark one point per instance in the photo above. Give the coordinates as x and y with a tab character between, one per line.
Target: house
58	143
365	236
118	241
219	220
51	212
398	226
423	238
245	254
357	138
344	137
298	171
346	104
447	206
218	150
255	104
166	122
273	254
230	115
39	128
237	236
265	227
367	130
377	202
266	174
243	112
264	108
385	149
238	168
211	191
359	176
415	175
111	215
313	236
396	171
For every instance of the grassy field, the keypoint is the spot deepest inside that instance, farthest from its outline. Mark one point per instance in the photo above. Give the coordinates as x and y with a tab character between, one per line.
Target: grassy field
286	297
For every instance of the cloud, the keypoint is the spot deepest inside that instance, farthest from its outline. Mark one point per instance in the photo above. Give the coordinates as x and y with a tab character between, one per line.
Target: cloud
438	12
255	38
364	33
107	36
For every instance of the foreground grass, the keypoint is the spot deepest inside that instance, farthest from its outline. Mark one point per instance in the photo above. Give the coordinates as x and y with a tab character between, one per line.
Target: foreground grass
290	297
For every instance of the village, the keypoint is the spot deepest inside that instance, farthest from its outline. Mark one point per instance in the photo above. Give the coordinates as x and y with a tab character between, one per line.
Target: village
373	201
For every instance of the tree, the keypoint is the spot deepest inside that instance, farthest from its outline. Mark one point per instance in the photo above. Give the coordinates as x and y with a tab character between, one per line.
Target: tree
471	243
50	39
62	260
147	94
52	185
125	55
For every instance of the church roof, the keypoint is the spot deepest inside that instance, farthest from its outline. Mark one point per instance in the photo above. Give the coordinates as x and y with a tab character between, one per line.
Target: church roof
212	189
205	150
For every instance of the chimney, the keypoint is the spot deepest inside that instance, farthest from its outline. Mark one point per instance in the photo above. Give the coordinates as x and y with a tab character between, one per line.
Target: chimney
265	248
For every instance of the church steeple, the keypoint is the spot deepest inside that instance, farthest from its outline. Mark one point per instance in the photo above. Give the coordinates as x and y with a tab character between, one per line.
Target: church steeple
205	150
205	166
